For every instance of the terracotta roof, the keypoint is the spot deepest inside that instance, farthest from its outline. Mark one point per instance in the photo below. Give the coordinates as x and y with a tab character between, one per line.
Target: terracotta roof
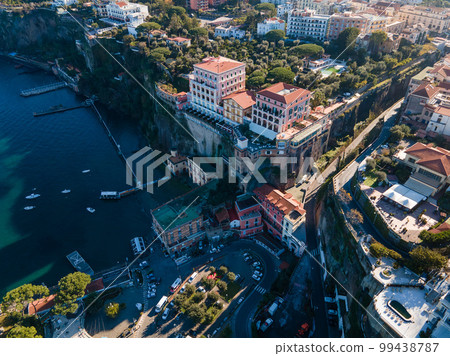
95	286
41	305
244	99
284	202
441	69
218	64
442	110
283	92
425	90
121	3
434	158
222	215
444	85
177	159
441	228
232	214
178	39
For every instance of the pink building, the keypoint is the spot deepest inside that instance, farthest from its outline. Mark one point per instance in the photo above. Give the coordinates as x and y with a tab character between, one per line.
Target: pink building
339	22
198	4
278	107
213	79
250	221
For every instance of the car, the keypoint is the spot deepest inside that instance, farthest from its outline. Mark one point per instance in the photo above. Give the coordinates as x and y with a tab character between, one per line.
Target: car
237	277
183	289
332	312
152	285
255	264
266	324
240	300
152	280
151	295
213	250
258	268
151	274
152	290
215	332
171	304
143	264
200	245
256	278
246	254
218	249
166	313
246	259
201	289
257	273
221	246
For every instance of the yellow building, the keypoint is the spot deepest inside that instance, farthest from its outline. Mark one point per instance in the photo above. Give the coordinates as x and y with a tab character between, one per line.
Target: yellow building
238	105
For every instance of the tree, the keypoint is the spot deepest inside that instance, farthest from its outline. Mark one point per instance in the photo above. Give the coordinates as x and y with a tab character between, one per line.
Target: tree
18	298
212	297
318	98
381	176
197	297
438	239
371	164
222	286
223	270
231	276
307	50
212	269
378	250
275	35
71	287
346	39
112	310
398	132
208	283
376	40
189	289
425	260
147	27
196	313
20	331
256	81
284	75
267	7
198	32
355	217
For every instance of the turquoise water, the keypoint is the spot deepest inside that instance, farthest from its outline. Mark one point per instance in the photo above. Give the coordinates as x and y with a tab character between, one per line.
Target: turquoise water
49	153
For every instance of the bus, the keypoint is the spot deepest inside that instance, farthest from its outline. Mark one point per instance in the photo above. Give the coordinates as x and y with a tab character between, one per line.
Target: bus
175	285
161	304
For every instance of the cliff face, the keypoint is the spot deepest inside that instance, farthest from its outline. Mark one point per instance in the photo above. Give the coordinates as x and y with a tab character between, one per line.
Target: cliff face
35	32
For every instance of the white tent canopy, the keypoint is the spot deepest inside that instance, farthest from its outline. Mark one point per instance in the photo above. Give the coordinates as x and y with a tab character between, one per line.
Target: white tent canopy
404	196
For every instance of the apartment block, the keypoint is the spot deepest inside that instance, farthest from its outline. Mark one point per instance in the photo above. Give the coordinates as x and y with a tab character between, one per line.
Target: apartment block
268	25
437	19
125	11
307	24
339	22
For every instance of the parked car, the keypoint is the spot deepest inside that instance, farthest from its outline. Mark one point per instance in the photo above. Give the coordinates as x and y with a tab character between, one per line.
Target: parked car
166	313
258	268
257	273
256	264
332	312
183	289
143	264
200	245
151	295
266	324
201	289
240	300
237	277
303	331
221	246
246	254
256	278
246	259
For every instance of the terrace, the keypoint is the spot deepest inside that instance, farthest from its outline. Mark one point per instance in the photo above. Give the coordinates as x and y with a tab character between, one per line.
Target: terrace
408	225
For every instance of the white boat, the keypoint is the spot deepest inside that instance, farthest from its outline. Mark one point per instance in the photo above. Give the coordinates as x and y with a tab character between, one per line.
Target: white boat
65	191
91	210
86	171
29	208
32	196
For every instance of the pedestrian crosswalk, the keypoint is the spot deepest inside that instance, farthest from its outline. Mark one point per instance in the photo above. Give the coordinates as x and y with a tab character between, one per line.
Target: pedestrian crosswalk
260	290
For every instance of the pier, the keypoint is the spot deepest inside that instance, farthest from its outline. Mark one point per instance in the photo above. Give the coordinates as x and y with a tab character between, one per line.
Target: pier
114	195
43	89
59	109
79	263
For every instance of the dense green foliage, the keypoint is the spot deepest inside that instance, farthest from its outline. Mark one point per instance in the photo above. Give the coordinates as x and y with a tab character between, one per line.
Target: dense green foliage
23	332
274	35
379	250
438	239
18	298
426	260
71	287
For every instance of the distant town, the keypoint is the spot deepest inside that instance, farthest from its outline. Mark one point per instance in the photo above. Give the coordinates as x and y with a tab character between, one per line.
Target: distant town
306	144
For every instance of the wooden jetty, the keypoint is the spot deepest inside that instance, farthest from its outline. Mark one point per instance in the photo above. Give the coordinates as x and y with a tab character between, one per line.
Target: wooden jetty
79	263
59	109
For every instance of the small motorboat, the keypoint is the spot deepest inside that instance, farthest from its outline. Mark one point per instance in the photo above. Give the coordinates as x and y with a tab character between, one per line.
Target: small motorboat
32	196
91	210
65	191
29	208
86	171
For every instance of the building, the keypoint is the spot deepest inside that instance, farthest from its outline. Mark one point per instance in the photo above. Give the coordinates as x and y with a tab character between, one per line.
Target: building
418	98
268	25
213	79
125	11
307	24
177	164
278	107
339	22
436	19
416	33
157	34
321	63
237	107
202	174
442	316
439	120
250	219
178	224
375	23
230	31
170	94
283	10
282	216
178	41
197	5
430	168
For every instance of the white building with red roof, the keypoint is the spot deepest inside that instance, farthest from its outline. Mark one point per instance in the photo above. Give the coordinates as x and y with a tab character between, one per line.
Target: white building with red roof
278	108
212	80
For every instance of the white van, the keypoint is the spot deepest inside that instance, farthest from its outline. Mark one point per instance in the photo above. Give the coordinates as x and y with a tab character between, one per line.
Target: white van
193	275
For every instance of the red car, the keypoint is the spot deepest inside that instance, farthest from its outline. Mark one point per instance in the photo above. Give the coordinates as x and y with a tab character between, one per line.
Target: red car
303	331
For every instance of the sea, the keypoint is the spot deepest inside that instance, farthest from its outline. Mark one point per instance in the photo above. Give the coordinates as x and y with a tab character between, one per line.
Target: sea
46	155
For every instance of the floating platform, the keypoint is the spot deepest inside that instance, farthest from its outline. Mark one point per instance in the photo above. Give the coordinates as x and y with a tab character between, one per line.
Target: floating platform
43	89
79	263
